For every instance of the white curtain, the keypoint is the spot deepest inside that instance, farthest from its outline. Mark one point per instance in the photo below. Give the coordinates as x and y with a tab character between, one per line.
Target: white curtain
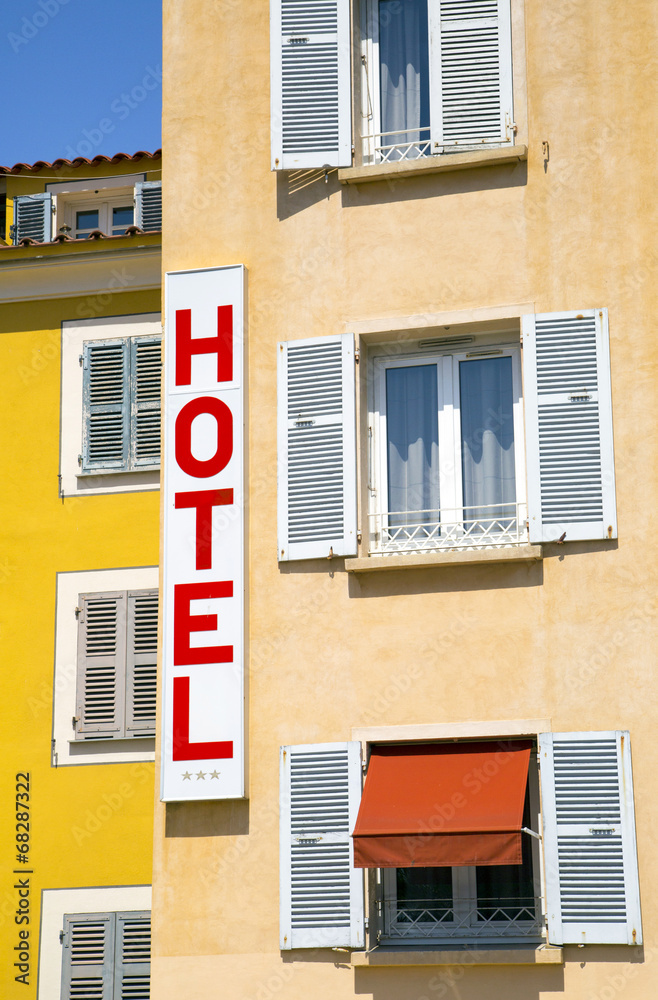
413	443
404	72
487	424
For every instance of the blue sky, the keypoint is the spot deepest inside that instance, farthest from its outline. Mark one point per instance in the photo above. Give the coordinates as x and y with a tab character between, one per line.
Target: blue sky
81	77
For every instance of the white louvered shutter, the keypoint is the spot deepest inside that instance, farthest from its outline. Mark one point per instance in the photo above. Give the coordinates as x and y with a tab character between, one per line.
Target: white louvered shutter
310	84
148	205
592	886
471	73
321	896
145	392
316	448
132	962
88	956
106	402
568	417
141	662
33	215
100	701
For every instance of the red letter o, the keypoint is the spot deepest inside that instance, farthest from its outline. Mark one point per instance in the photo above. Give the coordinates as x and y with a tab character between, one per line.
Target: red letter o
198	468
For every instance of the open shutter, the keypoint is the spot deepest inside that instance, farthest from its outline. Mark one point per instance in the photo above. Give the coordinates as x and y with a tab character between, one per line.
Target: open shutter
148	205
321	895
106	400
88	956
471	72
317	448
141	662
132	962
33	217
145	392
568	415
101	665
592	887
310	84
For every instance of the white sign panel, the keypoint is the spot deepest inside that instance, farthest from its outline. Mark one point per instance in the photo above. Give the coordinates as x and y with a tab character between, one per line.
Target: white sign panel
203	589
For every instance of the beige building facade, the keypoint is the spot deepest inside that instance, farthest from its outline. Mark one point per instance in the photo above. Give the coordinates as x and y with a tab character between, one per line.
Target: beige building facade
445	213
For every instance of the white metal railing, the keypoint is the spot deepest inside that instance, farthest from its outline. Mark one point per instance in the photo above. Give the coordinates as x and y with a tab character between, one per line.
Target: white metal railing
464	919
381	147
474	527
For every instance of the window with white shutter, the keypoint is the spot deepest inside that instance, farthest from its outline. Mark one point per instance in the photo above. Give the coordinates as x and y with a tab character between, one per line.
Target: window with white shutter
317	448
121	404
106	956
33	218
117	656
321	893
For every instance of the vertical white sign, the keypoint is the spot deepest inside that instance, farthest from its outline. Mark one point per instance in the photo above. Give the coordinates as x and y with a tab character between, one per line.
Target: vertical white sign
202	745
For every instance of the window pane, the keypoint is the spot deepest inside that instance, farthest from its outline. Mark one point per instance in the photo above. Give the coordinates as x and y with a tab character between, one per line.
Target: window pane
88	219
412	444
404	74
487	427
121	219
506	892
424	894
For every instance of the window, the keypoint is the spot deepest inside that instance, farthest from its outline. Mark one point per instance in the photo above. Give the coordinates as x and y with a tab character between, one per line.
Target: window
111	216
92	940
110	404
121	400
443	464
448	459
583	876
117	664
105	674
435	77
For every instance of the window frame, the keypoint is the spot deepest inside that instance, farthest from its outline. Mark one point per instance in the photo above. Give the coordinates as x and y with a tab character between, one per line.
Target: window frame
447	362
103	205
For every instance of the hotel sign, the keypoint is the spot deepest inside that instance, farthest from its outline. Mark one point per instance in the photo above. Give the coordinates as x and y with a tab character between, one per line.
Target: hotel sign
202	745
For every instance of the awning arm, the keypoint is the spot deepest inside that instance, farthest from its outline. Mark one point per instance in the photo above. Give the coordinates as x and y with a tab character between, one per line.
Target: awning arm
537	836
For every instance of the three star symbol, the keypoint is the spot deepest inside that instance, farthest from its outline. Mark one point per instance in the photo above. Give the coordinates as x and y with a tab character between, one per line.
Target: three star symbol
200	775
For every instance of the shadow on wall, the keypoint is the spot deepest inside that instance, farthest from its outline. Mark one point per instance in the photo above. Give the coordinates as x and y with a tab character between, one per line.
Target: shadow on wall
459	982
207	819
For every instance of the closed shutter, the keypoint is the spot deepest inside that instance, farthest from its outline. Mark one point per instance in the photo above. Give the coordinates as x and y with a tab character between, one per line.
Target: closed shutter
88	956
106	401
317	448
33	217
101	665
568	414
141	662
471	72
132	968
592	887
148	205
310	84
145	392
321	895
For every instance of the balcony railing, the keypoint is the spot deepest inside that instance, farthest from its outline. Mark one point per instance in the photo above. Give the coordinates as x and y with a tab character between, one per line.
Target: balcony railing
462	919
389	147
454	528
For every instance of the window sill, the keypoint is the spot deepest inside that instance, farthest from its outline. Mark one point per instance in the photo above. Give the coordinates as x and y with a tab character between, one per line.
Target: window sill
432	165
441	560
543	955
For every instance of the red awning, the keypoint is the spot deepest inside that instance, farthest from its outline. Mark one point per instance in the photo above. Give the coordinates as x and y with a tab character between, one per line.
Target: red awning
443	804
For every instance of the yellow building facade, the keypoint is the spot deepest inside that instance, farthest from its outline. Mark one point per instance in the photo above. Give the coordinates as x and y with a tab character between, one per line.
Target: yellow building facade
80	342
450	467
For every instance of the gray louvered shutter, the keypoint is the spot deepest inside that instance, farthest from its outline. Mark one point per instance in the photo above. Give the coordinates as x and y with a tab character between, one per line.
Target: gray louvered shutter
100	702
141	662
592	886
88	956
33	215
132	963
148	205
568	416
310	84
317	448
471	73
321	894
145	392
106	402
